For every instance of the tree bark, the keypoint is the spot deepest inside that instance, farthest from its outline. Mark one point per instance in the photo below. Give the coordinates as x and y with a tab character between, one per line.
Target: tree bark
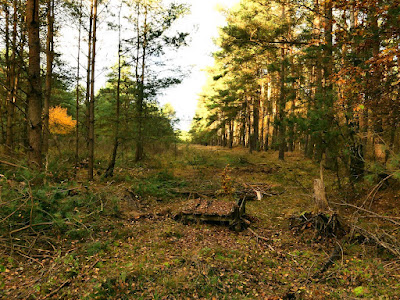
256	123
92	98
231	125
49	73
140	79
282	100
34	96
12	78
111	165
77	104
88	73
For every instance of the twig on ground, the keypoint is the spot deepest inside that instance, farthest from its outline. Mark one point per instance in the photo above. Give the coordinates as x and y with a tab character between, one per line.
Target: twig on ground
368	211
57	289
30	226
13	165
12	213
389	247
309	271
259	237
375	190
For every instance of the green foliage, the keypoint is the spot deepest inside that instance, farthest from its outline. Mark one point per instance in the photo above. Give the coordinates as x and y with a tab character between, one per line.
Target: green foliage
158	123
237	160
197	160
60	208
96	248
359	291
159	185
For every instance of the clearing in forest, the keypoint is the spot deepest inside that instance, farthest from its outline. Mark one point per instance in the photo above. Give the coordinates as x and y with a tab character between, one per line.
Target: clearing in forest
130	245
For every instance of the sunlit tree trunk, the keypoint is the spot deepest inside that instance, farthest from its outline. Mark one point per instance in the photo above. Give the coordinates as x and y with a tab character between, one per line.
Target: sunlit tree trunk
89	73
256	123
243	124
34	96
77	104
92	97
49	73
282	99
12	78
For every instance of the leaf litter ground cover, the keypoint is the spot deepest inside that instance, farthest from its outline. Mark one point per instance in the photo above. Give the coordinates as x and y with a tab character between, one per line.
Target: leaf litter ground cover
141	252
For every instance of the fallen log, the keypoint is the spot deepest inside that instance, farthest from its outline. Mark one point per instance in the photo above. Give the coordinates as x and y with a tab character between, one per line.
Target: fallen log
214	211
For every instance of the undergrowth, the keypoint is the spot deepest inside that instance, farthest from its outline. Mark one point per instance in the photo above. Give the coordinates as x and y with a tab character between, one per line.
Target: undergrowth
66	238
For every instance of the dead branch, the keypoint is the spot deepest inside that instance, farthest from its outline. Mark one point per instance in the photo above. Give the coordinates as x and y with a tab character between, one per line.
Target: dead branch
12	165
376	189
389	247
369	212
12	213
30	226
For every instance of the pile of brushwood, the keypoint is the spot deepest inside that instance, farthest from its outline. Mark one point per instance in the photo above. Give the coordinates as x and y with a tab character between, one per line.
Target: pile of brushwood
328	224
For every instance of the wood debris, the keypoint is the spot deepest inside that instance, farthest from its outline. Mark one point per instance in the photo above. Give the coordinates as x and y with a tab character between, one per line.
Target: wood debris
213	211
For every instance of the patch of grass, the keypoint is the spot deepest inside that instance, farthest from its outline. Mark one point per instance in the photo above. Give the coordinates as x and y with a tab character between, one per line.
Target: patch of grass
171	232
159	185
237	161
98	247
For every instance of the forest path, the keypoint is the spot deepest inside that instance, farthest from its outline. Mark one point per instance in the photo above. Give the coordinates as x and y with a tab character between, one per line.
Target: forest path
141	252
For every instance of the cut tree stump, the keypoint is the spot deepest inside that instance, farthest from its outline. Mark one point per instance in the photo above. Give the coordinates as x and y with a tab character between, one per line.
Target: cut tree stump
214	211
321	204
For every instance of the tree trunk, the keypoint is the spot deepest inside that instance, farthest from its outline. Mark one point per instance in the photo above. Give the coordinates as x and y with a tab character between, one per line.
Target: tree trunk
321	203
256	123
231	130
88	73
243	124
92	98
34	96
330	143
282	100
77	104
12	79
266	139
49	73
249	135
111	165
140	79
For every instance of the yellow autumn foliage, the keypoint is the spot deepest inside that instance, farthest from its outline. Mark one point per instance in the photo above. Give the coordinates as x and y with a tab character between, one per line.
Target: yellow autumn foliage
59	121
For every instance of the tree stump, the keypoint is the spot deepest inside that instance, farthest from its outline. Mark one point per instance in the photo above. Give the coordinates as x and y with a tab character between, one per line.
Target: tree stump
321	203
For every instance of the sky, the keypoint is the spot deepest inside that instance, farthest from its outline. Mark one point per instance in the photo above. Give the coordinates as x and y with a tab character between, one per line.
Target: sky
205	19
203	23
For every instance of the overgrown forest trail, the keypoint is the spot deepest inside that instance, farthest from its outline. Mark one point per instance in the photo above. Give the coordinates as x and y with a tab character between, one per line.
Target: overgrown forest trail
134	249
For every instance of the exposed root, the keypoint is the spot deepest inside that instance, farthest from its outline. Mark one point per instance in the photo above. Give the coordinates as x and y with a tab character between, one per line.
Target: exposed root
326	225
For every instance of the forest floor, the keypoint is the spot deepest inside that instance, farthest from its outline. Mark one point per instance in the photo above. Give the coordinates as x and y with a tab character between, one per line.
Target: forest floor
138	251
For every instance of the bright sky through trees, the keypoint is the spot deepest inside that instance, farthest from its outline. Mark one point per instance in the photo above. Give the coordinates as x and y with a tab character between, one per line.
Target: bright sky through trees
206	19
